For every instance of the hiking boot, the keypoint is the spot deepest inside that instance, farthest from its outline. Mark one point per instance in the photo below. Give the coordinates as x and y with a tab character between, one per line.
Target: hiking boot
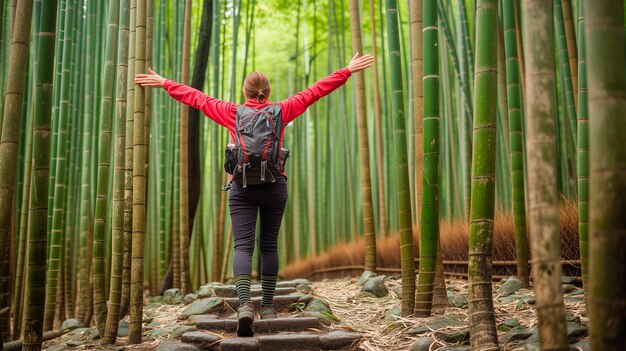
268	312
245	317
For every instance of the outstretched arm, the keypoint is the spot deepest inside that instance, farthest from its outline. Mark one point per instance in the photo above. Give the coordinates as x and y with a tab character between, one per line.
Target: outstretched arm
298	103
218	110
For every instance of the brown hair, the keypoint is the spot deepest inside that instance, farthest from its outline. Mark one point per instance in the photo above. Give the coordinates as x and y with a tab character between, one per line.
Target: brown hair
257	86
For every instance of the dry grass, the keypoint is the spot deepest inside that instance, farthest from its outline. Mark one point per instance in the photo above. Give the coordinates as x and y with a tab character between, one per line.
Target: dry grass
366	314
454	241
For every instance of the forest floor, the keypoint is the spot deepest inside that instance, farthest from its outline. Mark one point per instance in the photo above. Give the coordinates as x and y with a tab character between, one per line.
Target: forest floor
377	319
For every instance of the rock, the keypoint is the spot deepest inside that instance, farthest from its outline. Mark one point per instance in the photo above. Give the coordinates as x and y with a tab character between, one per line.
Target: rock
325	318
338	339
392	313
158	332
422	344
456	348
365	276
122	329
175	346
575	331
206	291
202	340
511	323
304	288
172	297
568	288
582	346
71	324
153	325
75	343
204	306
376	286
517	333
453	335
157	299
437	322
317	305
189	298
302	281
180	330
531	347
510	286
59	347
79	331
458	301
567	280
398	291
94	334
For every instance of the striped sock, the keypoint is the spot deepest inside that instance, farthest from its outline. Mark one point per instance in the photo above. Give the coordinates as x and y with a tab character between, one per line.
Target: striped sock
242	283
268	285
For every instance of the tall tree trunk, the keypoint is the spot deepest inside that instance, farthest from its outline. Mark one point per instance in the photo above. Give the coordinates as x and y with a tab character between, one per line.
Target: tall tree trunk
197	81
11	122
515	108
480	300
128	163
185	230
117	249
139	184
604	36
37	237
572	54
402	172
104	155
369	231
429	222
542	174
583	152
382	210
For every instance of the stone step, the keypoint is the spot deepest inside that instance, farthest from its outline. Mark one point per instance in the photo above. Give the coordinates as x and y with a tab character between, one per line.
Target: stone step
334	340
287	283
231	291
281	303
262	325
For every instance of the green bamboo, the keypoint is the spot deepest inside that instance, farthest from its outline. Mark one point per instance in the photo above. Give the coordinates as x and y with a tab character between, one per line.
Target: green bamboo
35	297
11	122
542	187
583	151
184	159
115	293
572	53
480	304
515	110
604	38
429	221
402	174
59	184
128	163
139	184
564	68
104	155
369	232
86	207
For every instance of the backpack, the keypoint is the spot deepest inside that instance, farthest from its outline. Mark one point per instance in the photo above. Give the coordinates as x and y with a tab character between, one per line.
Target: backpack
256	156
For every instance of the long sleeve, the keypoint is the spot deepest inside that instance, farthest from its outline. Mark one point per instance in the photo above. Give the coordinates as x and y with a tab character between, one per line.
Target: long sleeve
300	102
222	112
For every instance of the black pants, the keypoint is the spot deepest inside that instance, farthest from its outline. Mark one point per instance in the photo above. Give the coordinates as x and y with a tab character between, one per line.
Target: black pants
269	201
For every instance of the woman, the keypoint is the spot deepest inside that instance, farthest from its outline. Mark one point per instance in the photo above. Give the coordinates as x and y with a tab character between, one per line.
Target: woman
268	199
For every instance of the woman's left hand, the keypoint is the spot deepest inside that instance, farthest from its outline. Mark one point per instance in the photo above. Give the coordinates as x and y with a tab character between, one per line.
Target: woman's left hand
150	80
359	63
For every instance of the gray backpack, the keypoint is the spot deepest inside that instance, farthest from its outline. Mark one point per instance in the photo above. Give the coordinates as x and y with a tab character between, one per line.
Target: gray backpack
256	157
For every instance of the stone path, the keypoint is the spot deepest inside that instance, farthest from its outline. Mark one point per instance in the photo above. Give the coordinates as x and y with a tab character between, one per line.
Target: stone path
302	324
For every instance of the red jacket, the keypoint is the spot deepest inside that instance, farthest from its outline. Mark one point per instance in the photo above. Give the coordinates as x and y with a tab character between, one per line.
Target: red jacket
224	112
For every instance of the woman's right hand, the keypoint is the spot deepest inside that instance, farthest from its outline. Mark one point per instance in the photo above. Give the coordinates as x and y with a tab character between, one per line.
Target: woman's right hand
150	80
359	63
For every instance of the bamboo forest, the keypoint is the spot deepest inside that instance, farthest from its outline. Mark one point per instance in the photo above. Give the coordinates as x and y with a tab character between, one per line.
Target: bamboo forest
276	175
